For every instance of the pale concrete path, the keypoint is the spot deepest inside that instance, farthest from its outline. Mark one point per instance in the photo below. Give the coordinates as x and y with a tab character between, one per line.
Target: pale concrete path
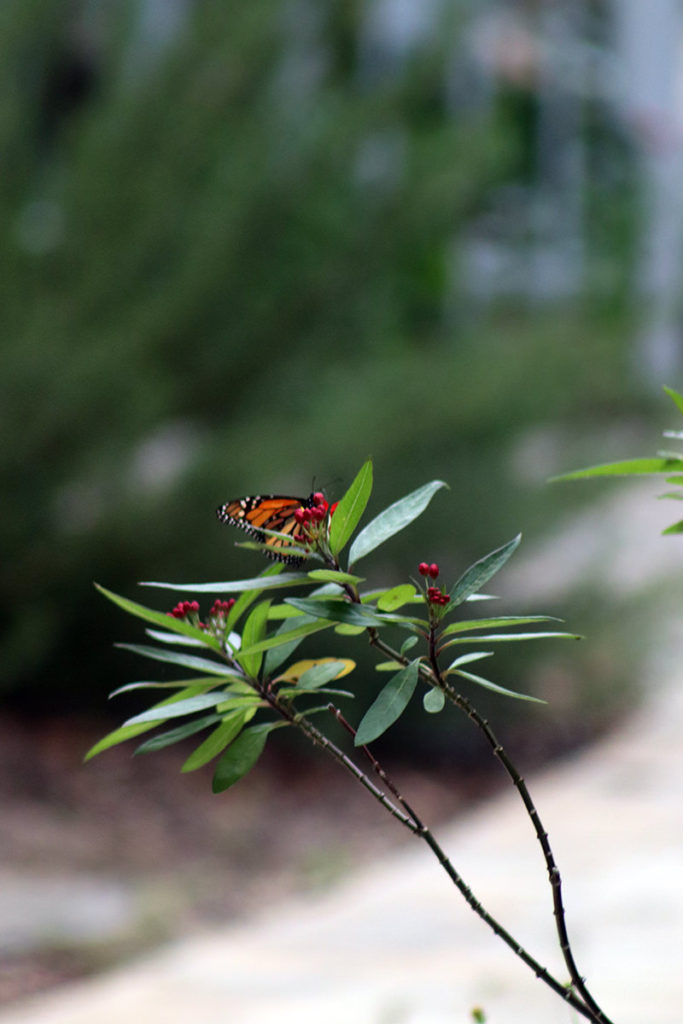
398	945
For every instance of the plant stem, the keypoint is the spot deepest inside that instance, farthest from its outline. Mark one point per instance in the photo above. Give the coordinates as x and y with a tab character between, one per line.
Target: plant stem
319	739
435	677
423	832
591	1008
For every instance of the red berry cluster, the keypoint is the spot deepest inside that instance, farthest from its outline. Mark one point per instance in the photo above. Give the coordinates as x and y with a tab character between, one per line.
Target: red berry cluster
190	610
184	609
434	594
308	519
221	608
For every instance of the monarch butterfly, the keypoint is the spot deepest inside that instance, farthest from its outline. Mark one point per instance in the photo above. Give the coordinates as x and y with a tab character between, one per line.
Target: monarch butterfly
267	512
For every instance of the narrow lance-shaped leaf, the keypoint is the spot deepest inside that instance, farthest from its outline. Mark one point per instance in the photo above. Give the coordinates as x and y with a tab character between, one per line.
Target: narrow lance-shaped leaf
488	685
127	732
288	579
350	508
280	638
627	467
175	658
221	737
389	705
207	682
242	755
333	576
337	611
493	638
181	707
181	732
675	397
254	632
160	618
481	572
496	622
392	520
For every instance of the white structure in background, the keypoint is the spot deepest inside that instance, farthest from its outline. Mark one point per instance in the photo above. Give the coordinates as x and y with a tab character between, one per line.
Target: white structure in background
532	242
649	42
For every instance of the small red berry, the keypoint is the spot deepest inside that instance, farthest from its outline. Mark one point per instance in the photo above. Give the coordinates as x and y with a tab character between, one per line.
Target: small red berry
299	515
319	498
423	569
433	570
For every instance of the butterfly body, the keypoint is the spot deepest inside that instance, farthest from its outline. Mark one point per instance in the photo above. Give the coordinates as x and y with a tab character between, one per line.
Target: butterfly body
258	512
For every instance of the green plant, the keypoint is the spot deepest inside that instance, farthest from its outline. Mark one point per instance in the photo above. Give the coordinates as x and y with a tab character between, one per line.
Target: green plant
246	683
668	464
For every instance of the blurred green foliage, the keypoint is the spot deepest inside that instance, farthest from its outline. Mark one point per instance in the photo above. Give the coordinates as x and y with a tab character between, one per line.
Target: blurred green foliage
226	271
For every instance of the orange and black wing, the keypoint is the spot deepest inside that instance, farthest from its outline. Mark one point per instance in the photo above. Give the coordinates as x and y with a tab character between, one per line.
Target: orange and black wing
266	512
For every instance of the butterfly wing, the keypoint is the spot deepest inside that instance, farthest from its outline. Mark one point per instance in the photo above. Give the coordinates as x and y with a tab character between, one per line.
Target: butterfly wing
266	512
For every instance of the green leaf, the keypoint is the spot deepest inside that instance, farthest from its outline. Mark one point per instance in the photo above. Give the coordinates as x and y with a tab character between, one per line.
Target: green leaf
160	618
184	660
393	519
408	643
344	629
254	632
291	692
285	579
319	675
481	572
629	467
218	740
493	638
174	638
675	397
280	638
350	508
176	684
675	528
388	706
182	707
434	701
337	611
464	659
395	598
333	576
127	732
289	634
495	622
488	685
167	739
241	755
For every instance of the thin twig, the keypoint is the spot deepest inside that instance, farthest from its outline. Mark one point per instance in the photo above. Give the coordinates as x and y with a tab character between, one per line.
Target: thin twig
423	832
434	677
